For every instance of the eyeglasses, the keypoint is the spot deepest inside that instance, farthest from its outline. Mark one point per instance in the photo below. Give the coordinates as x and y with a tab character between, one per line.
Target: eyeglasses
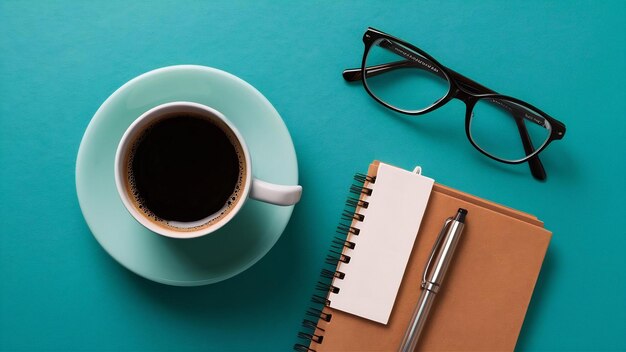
406	79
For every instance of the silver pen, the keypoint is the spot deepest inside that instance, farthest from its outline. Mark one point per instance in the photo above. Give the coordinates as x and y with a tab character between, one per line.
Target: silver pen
440	258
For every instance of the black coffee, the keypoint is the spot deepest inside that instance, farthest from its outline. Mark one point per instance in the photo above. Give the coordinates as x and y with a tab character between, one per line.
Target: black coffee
185	168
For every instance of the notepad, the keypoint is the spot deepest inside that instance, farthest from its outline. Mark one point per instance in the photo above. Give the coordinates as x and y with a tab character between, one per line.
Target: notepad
388	228
487	291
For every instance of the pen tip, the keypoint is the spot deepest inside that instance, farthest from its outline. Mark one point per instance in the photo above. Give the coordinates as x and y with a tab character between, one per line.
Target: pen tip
460	215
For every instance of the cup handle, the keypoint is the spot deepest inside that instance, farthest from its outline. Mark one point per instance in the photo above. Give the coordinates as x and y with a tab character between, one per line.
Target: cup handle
275	194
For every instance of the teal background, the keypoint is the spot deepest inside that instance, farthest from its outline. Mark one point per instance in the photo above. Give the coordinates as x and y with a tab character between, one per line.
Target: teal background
59	60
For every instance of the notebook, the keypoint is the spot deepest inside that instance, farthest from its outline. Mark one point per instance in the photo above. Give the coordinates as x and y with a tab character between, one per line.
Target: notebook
367	307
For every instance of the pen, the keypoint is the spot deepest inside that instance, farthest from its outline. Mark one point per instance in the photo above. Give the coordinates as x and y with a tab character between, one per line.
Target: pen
440	257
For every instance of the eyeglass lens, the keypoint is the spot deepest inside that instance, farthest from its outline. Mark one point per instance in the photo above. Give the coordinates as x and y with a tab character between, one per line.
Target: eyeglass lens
402	78
496	126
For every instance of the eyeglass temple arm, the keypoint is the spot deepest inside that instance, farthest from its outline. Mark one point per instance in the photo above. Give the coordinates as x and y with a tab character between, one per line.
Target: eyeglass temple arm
536	166
354	74
534	163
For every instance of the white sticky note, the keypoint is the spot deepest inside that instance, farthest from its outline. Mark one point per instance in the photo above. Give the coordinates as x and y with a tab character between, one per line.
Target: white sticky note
382	249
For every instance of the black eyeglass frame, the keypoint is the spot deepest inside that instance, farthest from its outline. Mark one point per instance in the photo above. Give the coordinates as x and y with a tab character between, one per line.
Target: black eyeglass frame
464	89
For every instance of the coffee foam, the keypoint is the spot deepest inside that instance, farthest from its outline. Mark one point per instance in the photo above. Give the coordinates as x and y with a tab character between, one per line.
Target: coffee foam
214	218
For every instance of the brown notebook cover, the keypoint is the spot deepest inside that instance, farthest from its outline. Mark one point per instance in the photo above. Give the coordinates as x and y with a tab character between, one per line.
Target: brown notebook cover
483	300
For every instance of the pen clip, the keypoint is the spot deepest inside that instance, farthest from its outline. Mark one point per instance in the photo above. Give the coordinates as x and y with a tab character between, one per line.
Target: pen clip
435	247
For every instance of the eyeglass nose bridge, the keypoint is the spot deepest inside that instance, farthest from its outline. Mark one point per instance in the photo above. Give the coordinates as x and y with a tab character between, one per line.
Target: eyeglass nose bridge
465	97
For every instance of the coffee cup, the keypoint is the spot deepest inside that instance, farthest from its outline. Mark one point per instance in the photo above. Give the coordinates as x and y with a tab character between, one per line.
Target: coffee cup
183	170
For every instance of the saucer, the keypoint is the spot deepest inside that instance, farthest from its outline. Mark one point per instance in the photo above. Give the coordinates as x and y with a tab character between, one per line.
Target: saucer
211	258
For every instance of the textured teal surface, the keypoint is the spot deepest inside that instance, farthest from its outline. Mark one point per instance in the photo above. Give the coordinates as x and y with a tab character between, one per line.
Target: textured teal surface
60	60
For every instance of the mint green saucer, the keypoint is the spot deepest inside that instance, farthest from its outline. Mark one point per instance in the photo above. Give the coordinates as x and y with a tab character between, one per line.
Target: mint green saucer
217	256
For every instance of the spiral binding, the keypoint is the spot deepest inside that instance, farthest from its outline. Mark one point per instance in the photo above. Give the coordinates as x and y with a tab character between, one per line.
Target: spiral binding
311	330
